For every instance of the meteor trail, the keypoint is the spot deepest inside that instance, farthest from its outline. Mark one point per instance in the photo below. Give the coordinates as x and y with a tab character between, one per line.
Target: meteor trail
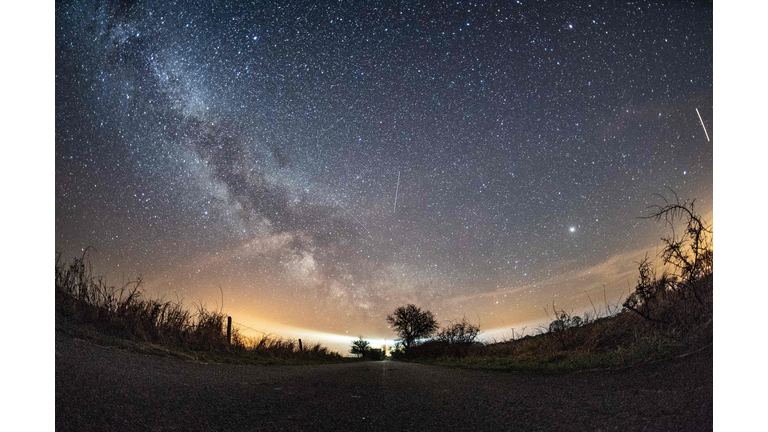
396	190
702	124
337	121
350	214
358	220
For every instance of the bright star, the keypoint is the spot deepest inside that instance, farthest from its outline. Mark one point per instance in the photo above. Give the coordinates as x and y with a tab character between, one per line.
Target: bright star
573	229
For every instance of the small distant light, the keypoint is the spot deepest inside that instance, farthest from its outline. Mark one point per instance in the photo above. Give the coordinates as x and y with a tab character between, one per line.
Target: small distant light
573	229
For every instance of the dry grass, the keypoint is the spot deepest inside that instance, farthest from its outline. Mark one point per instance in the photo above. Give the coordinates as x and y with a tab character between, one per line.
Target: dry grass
619	339
269	345
124	313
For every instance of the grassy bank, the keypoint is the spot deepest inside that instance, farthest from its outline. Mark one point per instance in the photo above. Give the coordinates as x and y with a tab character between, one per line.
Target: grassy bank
622	340
88	308
674	323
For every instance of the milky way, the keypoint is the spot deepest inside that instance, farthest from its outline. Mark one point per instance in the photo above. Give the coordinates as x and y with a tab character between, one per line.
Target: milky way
255	150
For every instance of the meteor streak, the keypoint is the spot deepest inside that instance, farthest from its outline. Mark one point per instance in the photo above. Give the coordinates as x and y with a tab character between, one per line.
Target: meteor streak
702	124
350	214
396	190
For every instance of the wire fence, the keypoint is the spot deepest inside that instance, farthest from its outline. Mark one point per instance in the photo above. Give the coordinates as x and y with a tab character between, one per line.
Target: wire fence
251	328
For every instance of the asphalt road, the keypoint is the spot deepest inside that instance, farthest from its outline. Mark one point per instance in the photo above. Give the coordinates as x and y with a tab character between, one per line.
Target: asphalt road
100	388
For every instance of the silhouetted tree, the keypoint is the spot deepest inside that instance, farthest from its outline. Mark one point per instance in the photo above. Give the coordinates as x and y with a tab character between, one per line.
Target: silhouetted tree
411	323
360	347
690	261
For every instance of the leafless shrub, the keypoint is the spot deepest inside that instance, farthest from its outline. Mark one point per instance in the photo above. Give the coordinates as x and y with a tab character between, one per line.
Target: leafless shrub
682	294
458	339
565	328
460	332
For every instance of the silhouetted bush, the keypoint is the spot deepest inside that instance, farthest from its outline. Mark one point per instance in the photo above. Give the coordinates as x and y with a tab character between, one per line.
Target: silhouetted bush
566	328
681	295
397	352
462	332
455	340
360	347
375	354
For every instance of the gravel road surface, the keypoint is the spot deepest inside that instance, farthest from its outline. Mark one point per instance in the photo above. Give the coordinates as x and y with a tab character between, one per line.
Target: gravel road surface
100	388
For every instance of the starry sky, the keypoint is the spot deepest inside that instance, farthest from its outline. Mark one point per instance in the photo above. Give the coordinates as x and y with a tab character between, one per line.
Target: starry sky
317	164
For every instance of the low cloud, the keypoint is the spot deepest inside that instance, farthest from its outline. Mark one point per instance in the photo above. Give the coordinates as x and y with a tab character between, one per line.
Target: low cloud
613	271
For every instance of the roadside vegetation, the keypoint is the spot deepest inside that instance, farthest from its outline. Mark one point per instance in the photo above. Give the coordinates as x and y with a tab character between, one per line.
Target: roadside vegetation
669	313
89	308
363	350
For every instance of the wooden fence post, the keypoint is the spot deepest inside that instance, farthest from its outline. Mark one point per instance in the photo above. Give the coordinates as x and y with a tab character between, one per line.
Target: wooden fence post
229	331
301	349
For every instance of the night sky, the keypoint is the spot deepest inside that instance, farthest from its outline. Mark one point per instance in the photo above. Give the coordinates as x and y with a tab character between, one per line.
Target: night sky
323	163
